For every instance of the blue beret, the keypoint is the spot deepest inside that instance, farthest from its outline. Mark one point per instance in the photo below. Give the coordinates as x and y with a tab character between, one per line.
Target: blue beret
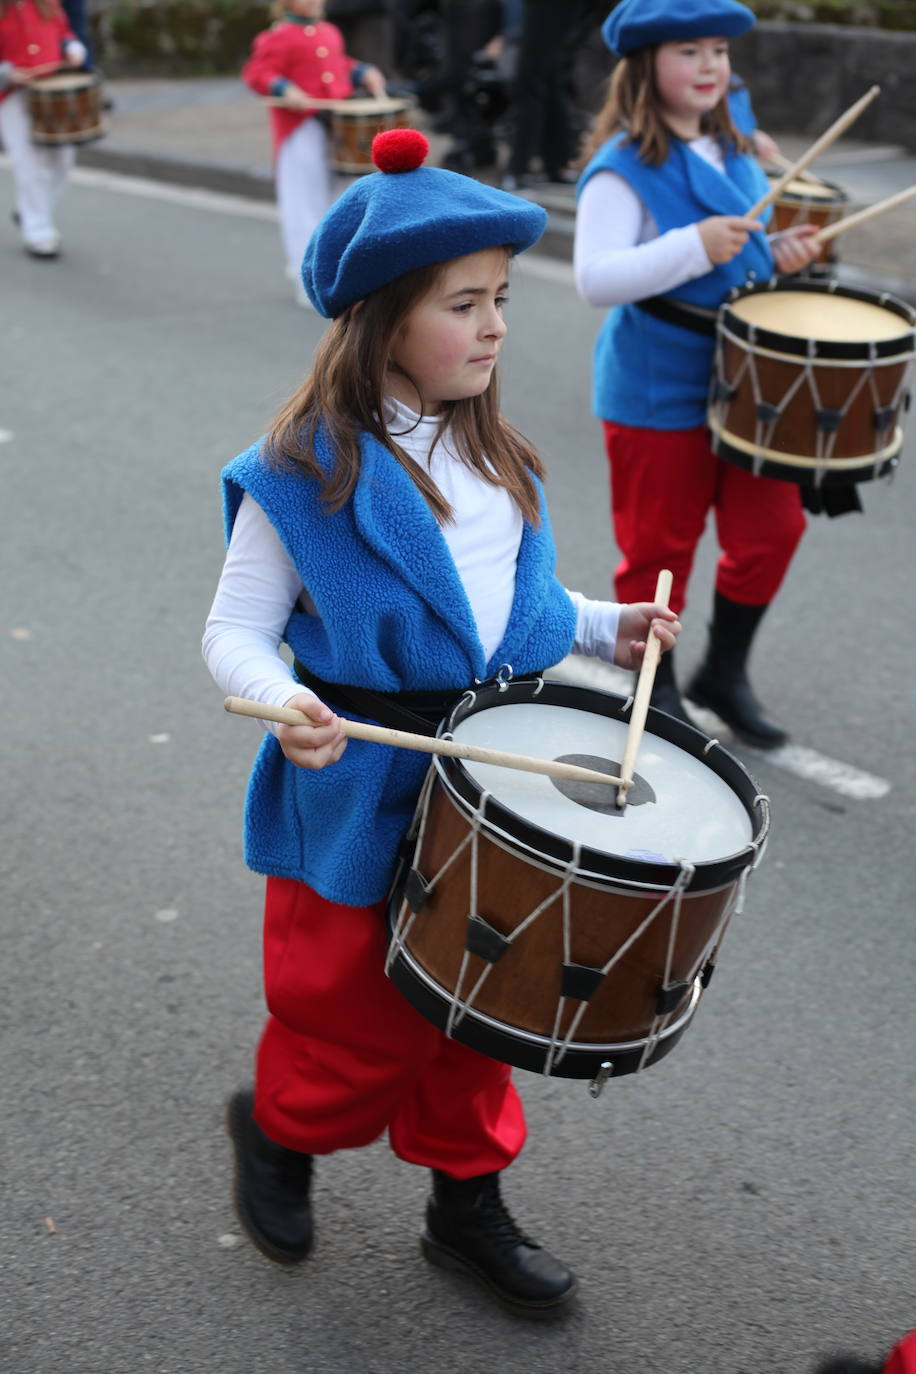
388	223
642	23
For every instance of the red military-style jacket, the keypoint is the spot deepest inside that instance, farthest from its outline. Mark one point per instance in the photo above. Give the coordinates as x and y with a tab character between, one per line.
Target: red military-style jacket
311	55
28	39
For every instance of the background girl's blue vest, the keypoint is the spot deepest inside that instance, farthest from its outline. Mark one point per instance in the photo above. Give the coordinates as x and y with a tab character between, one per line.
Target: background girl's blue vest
647	372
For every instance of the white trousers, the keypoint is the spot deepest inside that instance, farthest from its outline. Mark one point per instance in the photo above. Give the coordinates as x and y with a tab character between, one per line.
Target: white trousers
39	174
306	188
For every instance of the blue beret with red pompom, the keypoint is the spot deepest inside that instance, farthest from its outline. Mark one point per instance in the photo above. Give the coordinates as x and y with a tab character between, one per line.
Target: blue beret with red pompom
404	216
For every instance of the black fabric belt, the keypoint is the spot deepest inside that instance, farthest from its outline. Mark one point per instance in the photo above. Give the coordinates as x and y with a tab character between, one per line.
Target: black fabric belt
417	712
696	318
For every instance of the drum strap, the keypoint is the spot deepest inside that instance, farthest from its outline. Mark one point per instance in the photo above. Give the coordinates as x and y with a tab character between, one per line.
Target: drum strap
696	318
416	712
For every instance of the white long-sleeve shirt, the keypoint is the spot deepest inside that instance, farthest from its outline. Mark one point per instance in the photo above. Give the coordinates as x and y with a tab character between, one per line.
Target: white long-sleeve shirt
259	584
619	255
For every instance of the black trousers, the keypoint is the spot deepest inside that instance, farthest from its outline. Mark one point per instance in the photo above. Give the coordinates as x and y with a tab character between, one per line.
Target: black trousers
544	122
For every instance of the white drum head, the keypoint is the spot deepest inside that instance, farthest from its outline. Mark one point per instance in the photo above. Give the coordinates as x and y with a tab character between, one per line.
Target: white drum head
681	809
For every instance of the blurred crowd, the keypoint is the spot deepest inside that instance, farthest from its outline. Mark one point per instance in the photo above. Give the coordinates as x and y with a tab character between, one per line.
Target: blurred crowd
487	72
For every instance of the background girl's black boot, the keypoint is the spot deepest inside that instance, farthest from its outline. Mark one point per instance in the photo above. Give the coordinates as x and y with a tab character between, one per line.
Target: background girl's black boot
468	1227
272	1187
721	682
666	695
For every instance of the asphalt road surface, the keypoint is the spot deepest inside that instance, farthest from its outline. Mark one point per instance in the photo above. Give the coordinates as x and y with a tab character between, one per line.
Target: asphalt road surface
738	1209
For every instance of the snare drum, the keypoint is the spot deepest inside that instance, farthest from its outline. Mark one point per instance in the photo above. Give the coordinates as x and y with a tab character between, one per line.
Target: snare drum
536	921
66	108
809	202
353	124
810	381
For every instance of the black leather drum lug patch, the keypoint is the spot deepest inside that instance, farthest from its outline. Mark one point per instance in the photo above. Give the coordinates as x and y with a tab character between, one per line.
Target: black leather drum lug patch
669	998
580	982
416	890
601	796
481	939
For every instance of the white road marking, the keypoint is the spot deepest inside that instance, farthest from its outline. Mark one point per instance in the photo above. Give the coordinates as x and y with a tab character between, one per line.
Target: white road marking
843	778
6	436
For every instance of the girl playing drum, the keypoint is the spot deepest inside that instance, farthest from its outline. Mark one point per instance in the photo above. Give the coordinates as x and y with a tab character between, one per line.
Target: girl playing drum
391	529
35	39
662	237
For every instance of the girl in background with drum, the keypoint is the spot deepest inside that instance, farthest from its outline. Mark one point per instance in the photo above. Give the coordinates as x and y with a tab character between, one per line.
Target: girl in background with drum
662	236
35	40
298	57
391	529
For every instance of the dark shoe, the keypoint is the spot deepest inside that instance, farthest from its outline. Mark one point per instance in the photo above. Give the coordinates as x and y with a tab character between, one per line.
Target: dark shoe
665	695
271	1187
468	1227
721	682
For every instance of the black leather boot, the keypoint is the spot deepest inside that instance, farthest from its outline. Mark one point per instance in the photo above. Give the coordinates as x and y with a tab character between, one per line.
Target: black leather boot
721	682
271	1187
665	695
468	1227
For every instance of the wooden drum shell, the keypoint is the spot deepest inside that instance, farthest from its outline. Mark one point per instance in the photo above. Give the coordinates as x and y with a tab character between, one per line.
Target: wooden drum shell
866	384
66	109
353	124
817	203
514	1014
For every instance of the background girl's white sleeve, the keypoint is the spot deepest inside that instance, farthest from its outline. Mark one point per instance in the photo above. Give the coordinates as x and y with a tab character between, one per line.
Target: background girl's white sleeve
619	256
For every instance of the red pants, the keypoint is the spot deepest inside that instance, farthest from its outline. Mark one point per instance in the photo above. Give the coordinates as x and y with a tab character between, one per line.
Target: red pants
343	1057
663	484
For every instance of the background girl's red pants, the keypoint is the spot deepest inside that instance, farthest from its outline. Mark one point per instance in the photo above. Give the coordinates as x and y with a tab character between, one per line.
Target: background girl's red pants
343	1057
663	485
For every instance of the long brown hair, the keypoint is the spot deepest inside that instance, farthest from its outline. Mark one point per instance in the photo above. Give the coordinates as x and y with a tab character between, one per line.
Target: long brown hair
633	105
345	394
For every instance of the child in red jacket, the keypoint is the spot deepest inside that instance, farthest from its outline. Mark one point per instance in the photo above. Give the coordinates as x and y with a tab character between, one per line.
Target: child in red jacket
302	56
35	40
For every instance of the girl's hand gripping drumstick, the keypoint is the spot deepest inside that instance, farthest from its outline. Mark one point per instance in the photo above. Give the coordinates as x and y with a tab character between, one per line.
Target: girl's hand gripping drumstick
640	705
425	744
818	147
840	226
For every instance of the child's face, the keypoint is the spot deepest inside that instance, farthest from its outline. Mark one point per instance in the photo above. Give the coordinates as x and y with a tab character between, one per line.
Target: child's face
447	347
691	76
306	9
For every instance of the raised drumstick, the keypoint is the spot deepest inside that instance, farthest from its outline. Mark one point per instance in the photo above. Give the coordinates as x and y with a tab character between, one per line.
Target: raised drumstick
840	226
640	705
424	744
817	147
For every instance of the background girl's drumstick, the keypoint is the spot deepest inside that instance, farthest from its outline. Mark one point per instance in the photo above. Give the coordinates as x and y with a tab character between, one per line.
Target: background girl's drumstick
643	691
841	225
424	744
818	147
783	163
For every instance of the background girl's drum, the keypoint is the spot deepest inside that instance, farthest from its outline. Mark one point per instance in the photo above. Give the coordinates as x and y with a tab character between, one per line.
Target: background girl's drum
353	124
66	108
539	923
810	381
809	202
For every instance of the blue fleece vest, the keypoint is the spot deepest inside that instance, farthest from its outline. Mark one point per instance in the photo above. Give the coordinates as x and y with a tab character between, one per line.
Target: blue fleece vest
391	614
647	372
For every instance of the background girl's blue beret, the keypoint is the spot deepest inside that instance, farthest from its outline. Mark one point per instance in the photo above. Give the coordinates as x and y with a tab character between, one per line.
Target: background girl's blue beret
642	23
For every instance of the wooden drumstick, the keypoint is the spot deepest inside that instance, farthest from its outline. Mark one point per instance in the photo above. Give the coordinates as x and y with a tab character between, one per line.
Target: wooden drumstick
643	692
785	165
840	226
819	146
424	744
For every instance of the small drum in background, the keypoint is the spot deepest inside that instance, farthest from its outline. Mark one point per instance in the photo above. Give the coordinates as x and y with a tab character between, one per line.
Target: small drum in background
353	124
66	108
810	381
809	202
539	923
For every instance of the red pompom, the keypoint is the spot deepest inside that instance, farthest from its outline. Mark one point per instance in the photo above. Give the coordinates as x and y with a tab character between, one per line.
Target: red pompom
399	150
